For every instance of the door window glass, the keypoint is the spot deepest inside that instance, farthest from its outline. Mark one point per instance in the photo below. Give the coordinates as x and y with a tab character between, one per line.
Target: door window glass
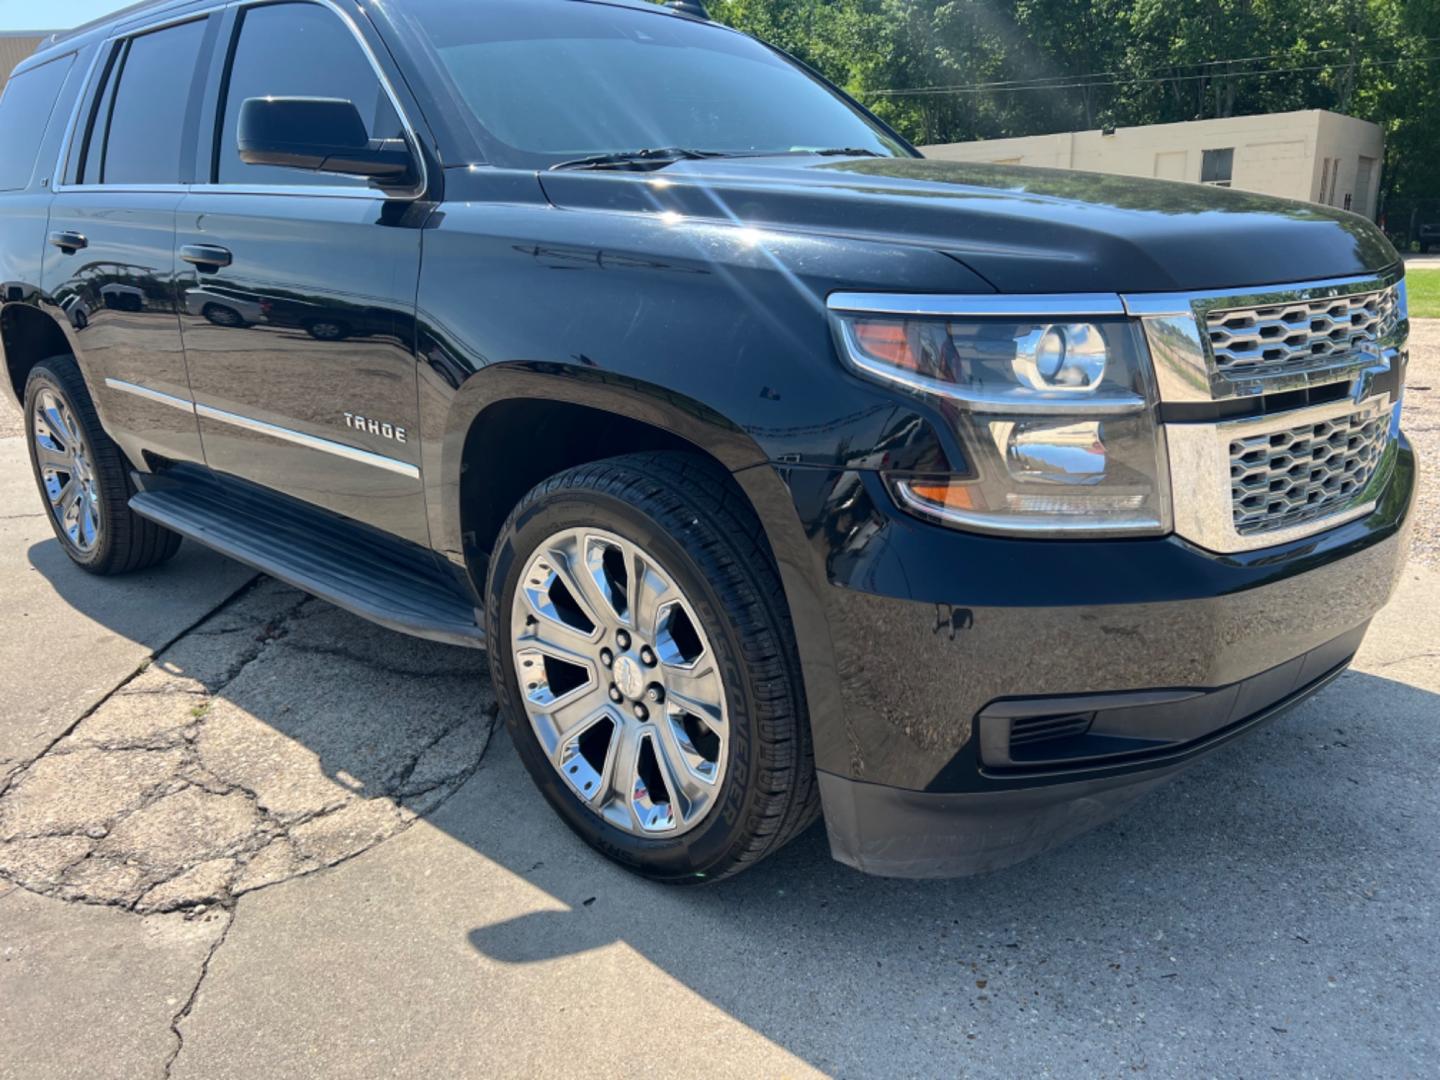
298	50
143	119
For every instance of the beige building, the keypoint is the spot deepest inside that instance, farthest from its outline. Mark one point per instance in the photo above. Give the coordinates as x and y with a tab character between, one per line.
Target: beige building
1314	155
14	48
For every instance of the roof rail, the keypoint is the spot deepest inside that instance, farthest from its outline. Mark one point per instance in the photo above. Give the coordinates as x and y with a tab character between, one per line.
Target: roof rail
693	8
83	28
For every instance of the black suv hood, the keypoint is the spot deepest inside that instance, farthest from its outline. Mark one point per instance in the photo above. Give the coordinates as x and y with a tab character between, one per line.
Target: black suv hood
1022	229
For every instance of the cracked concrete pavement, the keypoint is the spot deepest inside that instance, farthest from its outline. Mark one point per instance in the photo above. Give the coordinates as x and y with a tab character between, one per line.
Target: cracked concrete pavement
243	833
221	767
100	635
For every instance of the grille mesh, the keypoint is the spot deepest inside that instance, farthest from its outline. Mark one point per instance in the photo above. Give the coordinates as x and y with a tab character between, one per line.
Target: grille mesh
1285	339
1284	478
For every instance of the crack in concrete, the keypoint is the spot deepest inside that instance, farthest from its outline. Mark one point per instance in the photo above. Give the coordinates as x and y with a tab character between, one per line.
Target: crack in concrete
179	1017
144	855
1407	659
108	862
333	652
232	907
11	780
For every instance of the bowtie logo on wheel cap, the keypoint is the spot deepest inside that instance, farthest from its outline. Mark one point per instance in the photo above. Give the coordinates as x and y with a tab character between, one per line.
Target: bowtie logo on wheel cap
628	677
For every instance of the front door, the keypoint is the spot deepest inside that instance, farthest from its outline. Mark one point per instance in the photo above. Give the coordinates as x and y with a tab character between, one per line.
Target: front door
298	292
110	261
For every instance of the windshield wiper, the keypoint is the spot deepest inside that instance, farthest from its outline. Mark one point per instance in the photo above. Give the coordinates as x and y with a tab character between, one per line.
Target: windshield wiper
842	151
652	157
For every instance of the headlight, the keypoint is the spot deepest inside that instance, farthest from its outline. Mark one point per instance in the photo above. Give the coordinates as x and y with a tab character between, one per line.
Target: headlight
1056	413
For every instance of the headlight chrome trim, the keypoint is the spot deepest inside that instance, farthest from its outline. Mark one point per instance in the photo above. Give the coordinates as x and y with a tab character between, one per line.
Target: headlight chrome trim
983	305
1021	403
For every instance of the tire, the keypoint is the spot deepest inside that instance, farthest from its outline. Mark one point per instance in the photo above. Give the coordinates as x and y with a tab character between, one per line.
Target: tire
326	330
120	541
222	315
686	518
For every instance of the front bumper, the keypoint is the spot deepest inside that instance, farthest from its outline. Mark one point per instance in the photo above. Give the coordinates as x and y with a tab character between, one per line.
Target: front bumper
1152	651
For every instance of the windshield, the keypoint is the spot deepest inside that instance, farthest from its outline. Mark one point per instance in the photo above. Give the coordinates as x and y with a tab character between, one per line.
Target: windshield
550	81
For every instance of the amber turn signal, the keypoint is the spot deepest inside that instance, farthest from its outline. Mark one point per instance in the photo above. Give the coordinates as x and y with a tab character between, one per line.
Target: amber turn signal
950	495
886	340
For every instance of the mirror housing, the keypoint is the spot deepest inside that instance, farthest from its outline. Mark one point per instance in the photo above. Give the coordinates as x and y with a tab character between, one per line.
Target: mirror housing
320	135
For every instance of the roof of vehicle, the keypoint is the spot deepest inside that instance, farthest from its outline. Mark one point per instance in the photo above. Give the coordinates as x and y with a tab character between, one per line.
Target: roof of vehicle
149	7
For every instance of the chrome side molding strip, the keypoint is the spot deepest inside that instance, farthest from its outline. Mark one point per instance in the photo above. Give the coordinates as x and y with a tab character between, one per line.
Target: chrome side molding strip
183	404
299	438
311	442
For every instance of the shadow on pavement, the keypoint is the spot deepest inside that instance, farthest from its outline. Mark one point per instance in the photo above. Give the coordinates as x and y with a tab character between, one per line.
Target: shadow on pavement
1258	900
135	606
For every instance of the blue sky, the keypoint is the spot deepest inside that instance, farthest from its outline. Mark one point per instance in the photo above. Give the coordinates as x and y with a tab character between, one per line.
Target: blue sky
53	14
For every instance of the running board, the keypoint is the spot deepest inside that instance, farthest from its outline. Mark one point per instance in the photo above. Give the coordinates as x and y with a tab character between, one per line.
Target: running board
387	580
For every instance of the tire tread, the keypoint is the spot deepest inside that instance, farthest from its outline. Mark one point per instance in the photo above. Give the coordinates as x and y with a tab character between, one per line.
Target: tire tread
701	507
135	543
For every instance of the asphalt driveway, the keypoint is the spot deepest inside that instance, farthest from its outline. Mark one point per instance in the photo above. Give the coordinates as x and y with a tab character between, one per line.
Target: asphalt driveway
243	833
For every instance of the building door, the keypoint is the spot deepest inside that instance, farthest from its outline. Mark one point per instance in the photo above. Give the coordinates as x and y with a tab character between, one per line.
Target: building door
1170	165
1365	186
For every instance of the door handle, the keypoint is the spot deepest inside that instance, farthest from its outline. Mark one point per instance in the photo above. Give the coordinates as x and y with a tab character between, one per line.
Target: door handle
69	241
205	255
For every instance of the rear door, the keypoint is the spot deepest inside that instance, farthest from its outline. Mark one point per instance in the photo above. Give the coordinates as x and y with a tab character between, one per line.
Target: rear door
300	334
110	258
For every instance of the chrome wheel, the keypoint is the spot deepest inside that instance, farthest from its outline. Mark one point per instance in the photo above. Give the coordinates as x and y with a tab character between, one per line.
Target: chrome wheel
619	682
64	461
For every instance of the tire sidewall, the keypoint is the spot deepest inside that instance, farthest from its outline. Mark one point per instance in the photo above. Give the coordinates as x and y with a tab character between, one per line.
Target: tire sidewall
45	376
709	844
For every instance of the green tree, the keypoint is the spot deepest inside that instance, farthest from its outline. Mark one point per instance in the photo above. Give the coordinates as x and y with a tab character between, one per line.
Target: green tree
952	70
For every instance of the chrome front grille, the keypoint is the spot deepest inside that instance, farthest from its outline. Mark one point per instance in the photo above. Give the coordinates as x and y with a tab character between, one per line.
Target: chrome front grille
1280	479
1306	455
1301	336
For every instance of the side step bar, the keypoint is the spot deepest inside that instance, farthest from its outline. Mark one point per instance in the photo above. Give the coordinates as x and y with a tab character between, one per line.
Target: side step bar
397	584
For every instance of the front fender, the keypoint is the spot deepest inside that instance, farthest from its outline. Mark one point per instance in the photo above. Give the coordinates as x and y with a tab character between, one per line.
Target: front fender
610	392
711	331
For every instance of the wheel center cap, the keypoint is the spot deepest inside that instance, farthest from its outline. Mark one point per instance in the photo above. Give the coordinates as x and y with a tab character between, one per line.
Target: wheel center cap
628	677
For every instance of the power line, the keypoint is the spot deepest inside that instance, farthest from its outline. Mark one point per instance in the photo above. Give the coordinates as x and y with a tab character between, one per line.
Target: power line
1091	75
1101	80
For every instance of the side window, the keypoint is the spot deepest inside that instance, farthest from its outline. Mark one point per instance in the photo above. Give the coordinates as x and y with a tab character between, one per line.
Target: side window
87	166
297	50
138	120
25	108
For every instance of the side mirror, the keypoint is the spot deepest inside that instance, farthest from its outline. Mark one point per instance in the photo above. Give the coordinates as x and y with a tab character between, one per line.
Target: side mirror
321	135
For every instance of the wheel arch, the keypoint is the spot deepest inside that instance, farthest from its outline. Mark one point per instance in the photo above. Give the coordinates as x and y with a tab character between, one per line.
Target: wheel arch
491	456
603	415
29	333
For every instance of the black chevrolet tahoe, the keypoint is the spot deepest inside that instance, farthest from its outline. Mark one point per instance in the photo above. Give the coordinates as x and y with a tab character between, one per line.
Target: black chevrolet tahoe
783	472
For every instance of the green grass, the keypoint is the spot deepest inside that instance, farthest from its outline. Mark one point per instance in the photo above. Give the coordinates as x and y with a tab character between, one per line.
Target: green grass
1424	289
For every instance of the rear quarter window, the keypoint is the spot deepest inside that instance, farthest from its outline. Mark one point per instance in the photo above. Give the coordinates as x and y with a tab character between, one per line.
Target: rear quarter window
25	108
